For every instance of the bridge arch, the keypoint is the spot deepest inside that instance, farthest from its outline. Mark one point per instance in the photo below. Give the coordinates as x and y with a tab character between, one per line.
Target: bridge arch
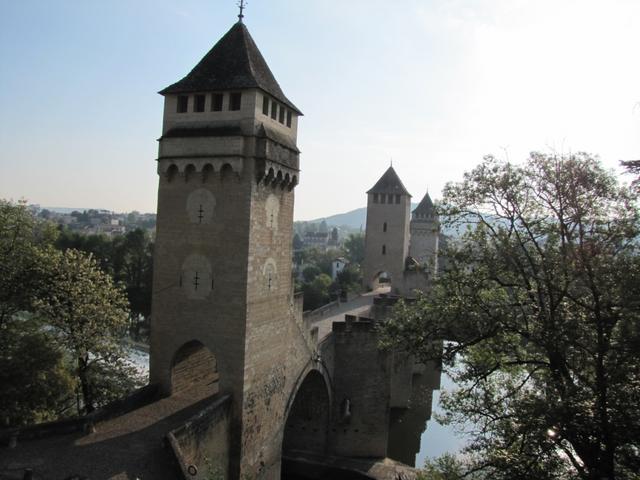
380	279
193	366
308	415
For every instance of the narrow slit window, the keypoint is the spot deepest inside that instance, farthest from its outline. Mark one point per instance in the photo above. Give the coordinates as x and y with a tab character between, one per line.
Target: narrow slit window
383	198
375	198
289	115
390	198
183	103
265	105
199	103
274	110
216	102
282	112
397	198
236	101
384	227
384	249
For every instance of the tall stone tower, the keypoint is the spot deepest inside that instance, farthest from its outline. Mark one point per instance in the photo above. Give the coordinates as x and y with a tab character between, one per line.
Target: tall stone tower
222	293
425	233
387	234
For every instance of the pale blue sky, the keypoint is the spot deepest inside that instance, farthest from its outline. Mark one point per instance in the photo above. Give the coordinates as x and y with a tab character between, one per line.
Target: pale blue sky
435	84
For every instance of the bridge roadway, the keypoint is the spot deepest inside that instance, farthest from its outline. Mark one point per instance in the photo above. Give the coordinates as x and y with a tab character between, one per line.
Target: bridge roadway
126	447
358	306
129	446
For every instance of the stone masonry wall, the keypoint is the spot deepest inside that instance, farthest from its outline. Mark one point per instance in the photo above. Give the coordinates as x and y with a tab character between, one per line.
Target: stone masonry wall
361	381
276	347
395	240
202	444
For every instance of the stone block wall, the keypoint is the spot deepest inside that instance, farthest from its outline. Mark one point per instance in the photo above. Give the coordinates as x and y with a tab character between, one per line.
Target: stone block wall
202	445
361	384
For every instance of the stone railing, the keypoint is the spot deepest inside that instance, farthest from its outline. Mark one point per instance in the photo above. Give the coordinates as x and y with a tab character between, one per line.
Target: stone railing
142	396
200	447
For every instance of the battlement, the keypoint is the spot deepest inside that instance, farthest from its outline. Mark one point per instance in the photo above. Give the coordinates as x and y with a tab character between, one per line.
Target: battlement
354	324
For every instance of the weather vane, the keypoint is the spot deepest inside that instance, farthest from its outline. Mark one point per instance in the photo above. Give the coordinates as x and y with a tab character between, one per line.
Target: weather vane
242	5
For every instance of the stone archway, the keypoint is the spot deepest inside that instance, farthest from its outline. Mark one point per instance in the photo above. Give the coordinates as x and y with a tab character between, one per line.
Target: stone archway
307	425
194	366
381	279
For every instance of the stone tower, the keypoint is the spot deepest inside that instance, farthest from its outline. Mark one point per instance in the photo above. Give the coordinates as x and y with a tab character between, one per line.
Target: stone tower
222	293
387	233
425	233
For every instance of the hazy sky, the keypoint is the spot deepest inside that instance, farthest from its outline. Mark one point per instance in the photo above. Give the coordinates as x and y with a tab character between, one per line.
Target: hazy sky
433	84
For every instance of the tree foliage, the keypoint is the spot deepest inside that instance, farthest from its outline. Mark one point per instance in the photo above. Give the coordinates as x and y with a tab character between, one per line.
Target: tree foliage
61	323
354	248
129	260
89	314
540	296
36	384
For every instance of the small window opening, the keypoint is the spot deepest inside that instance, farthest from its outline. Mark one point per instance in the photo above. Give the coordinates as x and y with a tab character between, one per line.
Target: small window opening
383	198
397	198
183	103
265	105
375	198
274	110
384	227
199	103
281	118
384	249
289	115
390	198
236	101
216	102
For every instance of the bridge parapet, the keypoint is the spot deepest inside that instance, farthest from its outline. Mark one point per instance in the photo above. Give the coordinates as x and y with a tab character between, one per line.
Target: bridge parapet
201	445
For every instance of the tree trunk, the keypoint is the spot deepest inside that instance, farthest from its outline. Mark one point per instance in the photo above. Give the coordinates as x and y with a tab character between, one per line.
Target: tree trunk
87	396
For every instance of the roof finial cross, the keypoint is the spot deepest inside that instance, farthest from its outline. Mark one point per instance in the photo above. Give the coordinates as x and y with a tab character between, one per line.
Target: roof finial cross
242	5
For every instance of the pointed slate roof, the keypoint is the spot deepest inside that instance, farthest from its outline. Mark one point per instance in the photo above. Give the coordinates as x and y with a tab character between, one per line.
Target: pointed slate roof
425	207
389	183
233	63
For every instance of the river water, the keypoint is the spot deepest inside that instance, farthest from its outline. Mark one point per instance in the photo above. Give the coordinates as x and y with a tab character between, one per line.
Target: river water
414	434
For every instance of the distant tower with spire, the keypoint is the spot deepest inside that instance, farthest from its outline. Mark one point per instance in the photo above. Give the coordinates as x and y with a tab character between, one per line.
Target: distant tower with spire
425	234
387	231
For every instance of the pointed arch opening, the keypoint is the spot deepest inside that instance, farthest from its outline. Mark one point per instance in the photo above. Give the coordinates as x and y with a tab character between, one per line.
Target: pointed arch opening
189	172
381	279
171	172
194	366
307	425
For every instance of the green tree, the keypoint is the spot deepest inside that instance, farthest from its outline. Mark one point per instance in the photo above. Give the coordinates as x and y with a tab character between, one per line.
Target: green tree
354	248
350	278
21	236
128	258
316	293
310	273
133	266
89	314
35	381
540	295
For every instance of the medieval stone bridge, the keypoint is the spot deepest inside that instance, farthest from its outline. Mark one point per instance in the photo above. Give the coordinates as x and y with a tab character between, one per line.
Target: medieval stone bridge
239	377
335	417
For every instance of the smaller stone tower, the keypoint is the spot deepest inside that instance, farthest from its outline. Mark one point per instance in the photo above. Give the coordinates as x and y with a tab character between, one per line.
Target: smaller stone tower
425	233
387	234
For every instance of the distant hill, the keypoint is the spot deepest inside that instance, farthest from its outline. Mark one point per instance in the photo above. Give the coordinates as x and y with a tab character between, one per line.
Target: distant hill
354	219
358	217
